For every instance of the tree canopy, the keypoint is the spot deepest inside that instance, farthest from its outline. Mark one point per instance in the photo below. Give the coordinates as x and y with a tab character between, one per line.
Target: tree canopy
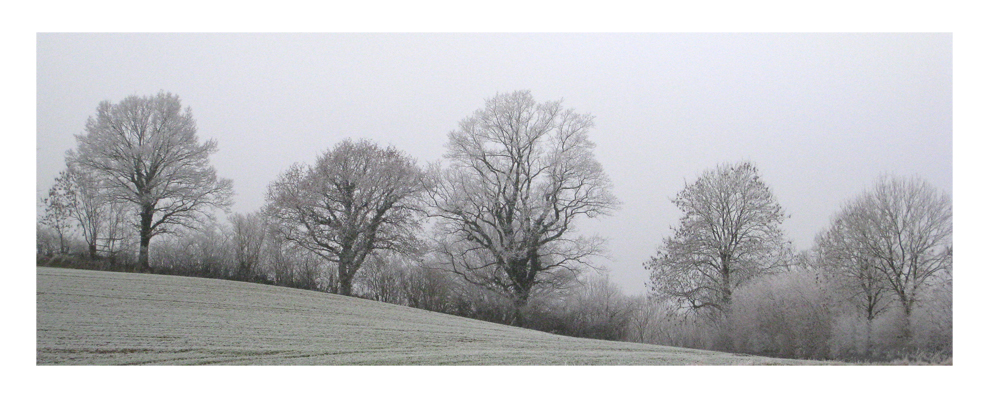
521	174
146	151
730	233
895	236
357	198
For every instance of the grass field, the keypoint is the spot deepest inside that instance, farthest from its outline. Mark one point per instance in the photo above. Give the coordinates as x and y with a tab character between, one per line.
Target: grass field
108	318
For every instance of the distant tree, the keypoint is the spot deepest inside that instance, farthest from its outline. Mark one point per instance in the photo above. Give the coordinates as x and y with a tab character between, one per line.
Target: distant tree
521	176
784	315
428	288
86	202
599	310
356	199
83	201
119	234
849	270
58	212
249	233
277	258
46	240
650	321
311	271
145	149
203	252
382	278
897	236
730	234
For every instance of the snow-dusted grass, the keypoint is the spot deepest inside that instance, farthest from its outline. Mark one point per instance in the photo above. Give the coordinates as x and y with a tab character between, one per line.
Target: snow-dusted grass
107	318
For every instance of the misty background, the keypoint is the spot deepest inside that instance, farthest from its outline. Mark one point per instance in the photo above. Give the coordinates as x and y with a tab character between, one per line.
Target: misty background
821	115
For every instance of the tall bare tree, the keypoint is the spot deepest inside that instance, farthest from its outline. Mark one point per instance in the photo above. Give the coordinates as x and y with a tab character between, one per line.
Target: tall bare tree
730	233
848	268
896	235
521	175
356	199
147	152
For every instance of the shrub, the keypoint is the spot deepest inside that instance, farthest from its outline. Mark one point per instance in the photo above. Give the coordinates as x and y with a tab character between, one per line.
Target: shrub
785	315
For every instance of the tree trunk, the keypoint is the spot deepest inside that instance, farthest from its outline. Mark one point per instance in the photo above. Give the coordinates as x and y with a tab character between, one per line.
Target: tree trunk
907	331
868	337
520	302
727	292
344	276
522	274
145	233
92	251
63	247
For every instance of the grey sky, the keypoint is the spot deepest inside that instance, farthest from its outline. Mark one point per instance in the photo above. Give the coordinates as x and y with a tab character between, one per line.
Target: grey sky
822	115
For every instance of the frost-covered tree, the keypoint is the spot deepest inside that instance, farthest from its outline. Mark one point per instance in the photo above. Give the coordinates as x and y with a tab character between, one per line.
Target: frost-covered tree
356	199
249	233
58	212
896	235
521	175
87	204
730	233
147	153
847	267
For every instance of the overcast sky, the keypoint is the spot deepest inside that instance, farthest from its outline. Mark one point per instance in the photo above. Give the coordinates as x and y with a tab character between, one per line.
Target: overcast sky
821	115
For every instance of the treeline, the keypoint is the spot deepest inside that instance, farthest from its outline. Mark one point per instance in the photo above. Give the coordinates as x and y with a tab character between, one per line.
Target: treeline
797	314
876	285
491	236
247	247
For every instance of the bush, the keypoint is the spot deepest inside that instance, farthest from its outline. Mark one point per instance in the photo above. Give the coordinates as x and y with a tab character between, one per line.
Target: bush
785	315
654	322
883	339
932	320
478	303
594	308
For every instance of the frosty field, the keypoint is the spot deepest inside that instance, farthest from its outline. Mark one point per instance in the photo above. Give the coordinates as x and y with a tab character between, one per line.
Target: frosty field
108	318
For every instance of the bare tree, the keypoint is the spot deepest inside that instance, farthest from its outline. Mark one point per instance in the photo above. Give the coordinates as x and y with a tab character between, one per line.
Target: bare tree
428	288
356	199
58	211
147	152
204	252
382	279
278	262
46	240
118	237
850	272
85	202
899	236
786	314
650	321
730	233
522	173
599	309
249	232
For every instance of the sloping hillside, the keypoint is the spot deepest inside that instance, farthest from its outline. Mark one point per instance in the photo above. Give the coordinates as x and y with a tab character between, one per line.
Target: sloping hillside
88	317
